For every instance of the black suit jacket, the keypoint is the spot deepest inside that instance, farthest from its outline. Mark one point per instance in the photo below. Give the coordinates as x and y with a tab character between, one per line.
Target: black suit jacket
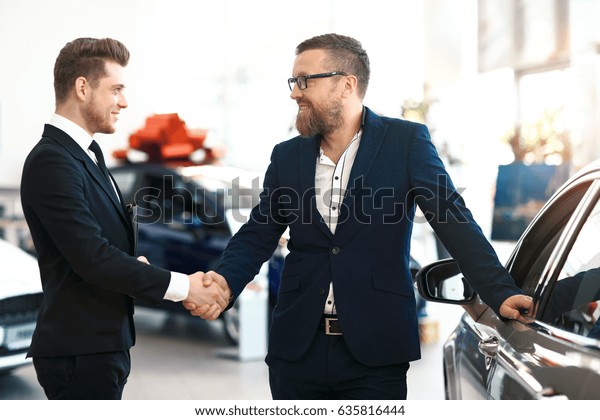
84	241
367	259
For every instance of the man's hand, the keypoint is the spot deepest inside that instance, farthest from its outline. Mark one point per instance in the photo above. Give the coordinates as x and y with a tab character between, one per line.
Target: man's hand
209	295
517	307
143	259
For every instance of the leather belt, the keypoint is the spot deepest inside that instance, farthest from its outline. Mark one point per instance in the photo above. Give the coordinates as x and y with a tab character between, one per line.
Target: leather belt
331	325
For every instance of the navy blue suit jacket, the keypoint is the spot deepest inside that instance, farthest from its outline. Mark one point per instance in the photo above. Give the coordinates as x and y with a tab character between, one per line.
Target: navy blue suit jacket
367	259
84	243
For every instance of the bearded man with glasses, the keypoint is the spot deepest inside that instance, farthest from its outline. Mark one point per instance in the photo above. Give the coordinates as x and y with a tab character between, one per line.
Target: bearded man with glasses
345	324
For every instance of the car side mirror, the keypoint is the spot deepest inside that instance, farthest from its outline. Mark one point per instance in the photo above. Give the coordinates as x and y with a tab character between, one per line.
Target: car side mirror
443	282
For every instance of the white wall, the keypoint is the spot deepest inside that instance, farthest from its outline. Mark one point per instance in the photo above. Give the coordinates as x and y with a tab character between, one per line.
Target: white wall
221	65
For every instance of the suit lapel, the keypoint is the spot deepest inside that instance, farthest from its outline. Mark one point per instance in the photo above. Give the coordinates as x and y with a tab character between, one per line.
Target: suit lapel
370	143
309	149
72	147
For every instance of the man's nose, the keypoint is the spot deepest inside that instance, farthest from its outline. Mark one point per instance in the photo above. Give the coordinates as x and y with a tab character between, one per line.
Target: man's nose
296	92
122	102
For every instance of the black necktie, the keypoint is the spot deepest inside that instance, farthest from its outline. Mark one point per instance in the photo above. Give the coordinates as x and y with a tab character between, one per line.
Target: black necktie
95	147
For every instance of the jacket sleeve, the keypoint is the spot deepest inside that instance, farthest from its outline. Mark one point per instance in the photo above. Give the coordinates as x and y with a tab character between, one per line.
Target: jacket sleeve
445	210
257	239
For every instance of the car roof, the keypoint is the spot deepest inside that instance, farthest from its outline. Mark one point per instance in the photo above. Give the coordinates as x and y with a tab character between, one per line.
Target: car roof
591	167
588	172
216	174
215	170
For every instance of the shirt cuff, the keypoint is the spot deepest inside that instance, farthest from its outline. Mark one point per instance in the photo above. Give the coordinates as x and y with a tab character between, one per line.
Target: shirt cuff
179	287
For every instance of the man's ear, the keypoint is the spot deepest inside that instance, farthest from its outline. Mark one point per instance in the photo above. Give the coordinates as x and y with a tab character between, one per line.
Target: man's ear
82	88
350	85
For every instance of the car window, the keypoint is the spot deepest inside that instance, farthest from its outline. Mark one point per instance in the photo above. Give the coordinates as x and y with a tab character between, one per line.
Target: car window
169	196
209	208
535	270
574	299
534	250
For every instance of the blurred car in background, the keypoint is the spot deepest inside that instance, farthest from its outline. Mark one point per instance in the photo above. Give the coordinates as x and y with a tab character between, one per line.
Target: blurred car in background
186	216
557	354
20	299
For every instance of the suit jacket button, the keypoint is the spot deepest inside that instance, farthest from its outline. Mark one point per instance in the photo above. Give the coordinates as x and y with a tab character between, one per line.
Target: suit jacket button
335	250
321	292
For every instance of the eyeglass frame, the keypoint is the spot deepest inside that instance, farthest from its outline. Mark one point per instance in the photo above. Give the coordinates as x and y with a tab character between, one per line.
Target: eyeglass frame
294	80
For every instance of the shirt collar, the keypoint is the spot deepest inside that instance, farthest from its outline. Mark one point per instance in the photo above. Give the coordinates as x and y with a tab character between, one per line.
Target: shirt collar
77	133
353	145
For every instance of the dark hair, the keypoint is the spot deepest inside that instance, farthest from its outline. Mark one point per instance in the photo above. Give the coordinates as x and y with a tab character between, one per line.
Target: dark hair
343	54
85	57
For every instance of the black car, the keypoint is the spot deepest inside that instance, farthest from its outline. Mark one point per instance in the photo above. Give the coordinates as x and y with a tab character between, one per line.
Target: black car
186	216
557	354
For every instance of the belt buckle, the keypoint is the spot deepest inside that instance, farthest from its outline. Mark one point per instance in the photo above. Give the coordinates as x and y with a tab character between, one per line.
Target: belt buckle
328	327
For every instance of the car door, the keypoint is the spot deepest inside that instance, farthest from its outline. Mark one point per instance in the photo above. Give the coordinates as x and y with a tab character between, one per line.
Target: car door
553	357
487	357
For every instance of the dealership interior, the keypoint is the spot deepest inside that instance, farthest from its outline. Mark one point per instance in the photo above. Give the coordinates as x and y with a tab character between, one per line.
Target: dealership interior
509	90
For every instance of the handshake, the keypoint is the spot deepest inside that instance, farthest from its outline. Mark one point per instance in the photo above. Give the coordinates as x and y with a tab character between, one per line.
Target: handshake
208	296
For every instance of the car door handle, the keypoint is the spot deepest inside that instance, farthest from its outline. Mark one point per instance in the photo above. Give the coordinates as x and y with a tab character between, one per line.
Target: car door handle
489	346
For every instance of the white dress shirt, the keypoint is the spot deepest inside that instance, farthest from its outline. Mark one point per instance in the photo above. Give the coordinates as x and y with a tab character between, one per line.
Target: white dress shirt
331	181
179	285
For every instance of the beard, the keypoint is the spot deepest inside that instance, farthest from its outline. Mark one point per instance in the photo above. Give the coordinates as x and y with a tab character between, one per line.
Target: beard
317	120
96	119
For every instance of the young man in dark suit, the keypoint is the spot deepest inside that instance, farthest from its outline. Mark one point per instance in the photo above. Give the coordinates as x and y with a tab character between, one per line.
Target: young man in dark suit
345	324
84	236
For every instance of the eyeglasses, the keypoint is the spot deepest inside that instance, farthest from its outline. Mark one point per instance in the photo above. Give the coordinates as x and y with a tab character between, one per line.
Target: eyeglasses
301	81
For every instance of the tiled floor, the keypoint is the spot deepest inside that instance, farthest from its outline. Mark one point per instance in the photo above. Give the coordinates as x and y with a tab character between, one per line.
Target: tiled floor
184	363
180	361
